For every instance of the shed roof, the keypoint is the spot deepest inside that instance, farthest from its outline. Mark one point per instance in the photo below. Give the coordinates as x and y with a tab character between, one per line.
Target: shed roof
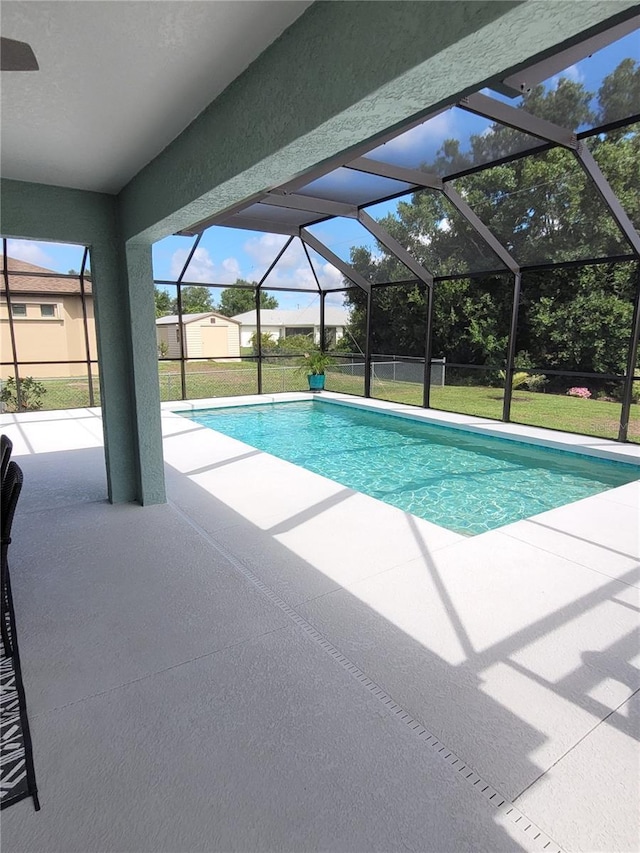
172	319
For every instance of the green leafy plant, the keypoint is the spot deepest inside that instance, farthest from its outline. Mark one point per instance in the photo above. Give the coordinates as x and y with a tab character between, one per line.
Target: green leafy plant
315	363
29	398
163	349
536	382
518	380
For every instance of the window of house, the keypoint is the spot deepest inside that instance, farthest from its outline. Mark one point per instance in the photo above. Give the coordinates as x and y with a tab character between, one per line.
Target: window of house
18	309
48	310
290	331
178	333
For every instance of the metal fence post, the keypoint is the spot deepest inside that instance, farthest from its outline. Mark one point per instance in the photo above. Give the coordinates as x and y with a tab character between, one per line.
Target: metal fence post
259	340
511	352
428	339
631	364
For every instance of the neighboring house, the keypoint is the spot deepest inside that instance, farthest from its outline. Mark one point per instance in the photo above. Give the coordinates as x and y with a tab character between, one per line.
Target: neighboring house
47	321
303	321
209	335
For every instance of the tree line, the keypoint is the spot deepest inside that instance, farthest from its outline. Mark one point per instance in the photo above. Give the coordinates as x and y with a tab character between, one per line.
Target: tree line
199	300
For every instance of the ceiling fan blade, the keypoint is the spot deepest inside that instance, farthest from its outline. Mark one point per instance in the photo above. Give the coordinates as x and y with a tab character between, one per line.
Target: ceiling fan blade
17	56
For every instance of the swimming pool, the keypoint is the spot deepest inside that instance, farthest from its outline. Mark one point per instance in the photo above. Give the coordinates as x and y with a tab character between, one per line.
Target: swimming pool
451	477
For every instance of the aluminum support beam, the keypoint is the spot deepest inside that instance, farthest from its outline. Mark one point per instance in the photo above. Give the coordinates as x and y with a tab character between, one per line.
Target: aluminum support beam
311	267
428	346
12	331
511	350
247	223
183	375
85	325
356	152
395	248
259	340
346	270
274	262
312	174
474	220
322	335
519	120
367	346
321	206
396	173
522	82
588	163
631	364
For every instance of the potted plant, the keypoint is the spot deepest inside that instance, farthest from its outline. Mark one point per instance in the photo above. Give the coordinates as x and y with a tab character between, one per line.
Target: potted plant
314	364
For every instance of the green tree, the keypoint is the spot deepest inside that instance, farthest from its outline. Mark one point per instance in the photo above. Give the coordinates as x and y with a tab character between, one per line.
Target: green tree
195	300
542	208
164	305
236	300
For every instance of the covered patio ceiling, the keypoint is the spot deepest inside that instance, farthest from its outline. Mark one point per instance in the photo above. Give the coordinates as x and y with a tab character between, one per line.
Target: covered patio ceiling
117	82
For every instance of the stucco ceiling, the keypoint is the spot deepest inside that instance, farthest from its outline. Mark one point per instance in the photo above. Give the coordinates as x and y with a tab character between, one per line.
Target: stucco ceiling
119	80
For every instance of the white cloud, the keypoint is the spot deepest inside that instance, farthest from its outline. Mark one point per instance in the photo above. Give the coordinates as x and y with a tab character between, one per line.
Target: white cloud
330	277
572	73
264	249
203	268
335	299
292	270
432	133
29	251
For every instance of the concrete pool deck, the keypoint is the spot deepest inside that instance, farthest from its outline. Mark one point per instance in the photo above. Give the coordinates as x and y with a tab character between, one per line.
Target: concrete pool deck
275	662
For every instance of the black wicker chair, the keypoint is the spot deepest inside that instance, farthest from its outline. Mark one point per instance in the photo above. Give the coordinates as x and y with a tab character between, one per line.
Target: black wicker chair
6	446
11	488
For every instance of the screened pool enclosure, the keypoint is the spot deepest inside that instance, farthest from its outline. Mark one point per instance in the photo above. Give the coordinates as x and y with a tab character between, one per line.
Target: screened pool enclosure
488	253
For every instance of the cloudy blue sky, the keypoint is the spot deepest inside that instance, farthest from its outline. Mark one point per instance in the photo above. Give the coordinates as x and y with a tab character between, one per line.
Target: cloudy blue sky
226	254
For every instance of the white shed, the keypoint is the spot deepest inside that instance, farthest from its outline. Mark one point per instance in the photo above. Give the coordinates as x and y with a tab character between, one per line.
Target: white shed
209	335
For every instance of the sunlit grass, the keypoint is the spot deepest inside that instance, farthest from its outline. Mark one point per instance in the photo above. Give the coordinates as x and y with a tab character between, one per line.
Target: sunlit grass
217	379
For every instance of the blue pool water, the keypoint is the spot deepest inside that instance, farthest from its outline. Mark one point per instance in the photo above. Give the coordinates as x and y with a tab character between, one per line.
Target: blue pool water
453	478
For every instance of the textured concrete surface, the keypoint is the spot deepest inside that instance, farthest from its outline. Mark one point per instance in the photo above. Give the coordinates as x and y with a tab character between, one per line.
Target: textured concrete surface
572	789
209	675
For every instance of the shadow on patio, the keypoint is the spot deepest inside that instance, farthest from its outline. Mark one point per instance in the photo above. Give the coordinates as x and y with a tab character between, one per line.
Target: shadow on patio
200	679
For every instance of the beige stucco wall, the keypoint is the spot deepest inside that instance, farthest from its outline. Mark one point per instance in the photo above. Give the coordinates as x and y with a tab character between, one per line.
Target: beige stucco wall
44	339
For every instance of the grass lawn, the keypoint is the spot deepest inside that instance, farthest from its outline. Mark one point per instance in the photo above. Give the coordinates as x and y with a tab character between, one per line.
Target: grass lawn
554	411
217	379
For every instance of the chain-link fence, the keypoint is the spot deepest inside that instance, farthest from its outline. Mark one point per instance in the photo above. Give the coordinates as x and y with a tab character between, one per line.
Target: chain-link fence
230	380
284	375
48	393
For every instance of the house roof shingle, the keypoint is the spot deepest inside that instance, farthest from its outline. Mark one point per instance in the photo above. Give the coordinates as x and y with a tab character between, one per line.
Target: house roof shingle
51	284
